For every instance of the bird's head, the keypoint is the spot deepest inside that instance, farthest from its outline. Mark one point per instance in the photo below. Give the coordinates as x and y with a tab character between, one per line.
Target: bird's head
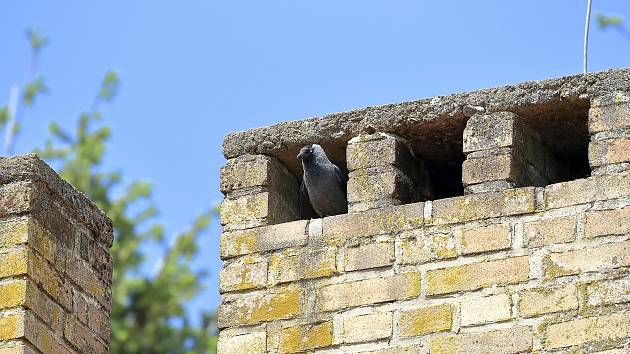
311	152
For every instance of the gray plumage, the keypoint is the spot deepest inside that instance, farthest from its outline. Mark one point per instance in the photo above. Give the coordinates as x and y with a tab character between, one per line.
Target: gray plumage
323	184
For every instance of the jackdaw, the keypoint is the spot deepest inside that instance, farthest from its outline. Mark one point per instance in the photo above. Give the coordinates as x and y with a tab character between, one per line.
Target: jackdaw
323	184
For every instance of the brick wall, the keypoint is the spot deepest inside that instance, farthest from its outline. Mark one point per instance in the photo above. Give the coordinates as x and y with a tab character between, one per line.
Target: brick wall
55	266
526	259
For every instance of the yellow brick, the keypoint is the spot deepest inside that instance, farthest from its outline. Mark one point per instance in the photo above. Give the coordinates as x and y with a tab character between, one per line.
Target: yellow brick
503	341
425	247
587	190
259	209
337	229
265	238
372	255
296	264
243	275
549	231
17	347
307	337
586	330
260	307
486	238
246	209
484	205
367	327
611	151
607	222
12	325
477	275
540	301
13	261
250	343
14	232
411	349
487	309
590	259
12	293
369	291
426	320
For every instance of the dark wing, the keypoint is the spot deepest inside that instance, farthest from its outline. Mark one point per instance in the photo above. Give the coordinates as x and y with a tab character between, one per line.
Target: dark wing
306	209
342	179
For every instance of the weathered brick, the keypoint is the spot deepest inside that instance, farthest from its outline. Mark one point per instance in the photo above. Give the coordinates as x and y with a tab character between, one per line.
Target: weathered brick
371	255
378	187
252	210
365	151
610	151
590	259
254	343
16	198
265	238
484	205
488	168
337	229
586	330
487	309
17	347
607	222
408	349
367	327
581	191
432	319
607	292
296	264
549	231
256	171
486	239
58	286
14	261
508	341
81	337
425	246
534	302
477	275
609	112
490	131
12	324
306	337
247	273
281	303
14	231
98	321
369	291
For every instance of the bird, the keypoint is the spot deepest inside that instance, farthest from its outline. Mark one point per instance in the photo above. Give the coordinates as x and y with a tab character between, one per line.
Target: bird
323	184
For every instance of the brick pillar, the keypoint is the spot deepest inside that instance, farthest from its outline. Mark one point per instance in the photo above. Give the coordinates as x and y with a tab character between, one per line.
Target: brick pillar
609	126
258	190
503	152
383	171
55	266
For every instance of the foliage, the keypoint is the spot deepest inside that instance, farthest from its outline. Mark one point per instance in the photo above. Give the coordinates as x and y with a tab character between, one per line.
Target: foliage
614	22
148	311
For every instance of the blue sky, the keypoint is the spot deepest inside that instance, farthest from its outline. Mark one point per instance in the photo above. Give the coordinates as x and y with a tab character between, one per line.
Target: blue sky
192	71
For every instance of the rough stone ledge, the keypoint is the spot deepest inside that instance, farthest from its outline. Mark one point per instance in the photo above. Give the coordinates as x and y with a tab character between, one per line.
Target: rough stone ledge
434	123
31	168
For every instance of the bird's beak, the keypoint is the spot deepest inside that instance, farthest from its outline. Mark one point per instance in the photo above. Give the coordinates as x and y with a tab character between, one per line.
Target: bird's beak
301	155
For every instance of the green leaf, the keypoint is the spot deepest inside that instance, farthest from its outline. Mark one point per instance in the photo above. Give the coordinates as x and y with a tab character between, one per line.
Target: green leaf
109	86
36	40
32	89
608	21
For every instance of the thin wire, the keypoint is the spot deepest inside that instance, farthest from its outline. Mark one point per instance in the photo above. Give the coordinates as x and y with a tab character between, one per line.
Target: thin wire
586	28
